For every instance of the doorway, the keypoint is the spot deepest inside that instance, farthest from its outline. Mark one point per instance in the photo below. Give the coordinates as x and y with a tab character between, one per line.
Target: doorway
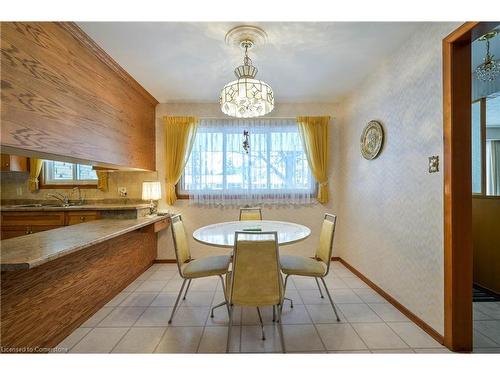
458	234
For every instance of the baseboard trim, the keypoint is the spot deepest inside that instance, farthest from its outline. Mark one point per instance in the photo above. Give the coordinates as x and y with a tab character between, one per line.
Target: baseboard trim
415	319
164	261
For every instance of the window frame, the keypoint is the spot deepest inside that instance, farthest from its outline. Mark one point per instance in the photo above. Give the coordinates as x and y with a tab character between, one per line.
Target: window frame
185	195
82	184
482	194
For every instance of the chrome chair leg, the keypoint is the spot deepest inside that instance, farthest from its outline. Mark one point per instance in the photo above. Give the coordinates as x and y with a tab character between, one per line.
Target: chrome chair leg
185	293
224	291
177	301
284	291
261	324
280	329
319	288
223	302
216	306
331	301
230	325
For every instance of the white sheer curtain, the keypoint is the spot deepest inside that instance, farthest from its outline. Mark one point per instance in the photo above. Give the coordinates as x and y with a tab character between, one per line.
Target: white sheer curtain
275	170
493	167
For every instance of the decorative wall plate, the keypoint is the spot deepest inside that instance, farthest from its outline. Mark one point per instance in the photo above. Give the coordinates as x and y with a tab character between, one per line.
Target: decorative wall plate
372	139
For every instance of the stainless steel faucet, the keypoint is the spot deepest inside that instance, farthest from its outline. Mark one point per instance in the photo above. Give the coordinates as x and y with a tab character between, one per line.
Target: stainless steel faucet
80	196
60	197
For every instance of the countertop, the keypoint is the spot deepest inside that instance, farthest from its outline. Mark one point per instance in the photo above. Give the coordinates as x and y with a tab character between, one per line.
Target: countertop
33	250
93	207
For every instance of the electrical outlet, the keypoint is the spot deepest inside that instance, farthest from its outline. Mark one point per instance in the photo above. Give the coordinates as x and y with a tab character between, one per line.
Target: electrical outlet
122	191
19	190
433	164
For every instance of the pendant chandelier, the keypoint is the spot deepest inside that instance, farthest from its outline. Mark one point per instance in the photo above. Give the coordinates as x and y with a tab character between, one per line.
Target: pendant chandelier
246	96
490	68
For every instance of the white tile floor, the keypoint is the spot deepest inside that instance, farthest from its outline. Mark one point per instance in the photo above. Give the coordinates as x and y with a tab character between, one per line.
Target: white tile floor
486	327
135	321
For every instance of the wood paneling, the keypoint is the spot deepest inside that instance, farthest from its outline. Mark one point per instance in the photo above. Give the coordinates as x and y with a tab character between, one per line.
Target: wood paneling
63	95
486	242
41	306
415	319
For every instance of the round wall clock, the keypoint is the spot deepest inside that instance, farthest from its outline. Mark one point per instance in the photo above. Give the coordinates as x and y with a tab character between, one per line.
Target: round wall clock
372	139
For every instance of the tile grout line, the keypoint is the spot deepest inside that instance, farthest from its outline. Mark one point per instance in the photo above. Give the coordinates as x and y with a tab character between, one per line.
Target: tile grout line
128	330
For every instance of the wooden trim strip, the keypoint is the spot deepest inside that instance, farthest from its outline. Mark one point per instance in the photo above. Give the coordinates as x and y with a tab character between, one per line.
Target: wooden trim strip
415	319
102	55
164	261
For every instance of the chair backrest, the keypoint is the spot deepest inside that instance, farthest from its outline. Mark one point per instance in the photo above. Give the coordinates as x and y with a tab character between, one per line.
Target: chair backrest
181	246
256	278
250	213
325	246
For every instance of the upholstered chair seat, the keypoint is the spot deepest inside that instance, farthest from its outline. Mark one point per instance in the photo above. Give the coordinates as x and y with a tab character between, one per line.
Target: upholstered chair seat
302	266
208	266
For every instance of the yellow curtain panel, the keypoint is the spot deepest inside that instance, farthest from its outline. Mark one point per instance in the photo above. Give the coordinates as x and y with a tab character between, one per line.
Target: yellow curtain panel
314	134
102	180
179	138
35	169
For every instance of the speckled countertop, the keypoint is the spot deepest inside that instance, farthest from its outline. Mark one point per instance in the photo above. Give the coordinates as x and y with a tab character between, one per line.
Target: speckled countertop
33	250
93	207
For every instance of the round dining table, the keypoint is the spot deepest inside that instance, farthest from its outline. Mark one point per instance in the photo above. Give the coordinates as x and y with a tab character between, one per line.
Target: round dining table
222	234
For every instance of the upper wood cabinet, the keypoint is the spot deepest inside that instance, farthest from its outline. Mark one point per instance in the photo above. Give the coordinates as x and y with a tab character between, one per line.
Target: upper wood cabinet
13	163
62	95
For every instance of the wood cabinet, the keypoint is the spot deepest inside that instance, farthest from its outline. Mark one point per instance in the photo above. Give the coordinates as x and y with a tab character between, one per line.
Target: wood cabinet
63	96
17	223
13	163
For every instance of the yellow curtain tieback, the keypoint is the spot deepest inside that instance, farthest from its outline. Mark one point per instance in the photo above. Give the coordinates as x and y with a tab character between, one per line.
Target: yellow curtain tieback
323	183
33	179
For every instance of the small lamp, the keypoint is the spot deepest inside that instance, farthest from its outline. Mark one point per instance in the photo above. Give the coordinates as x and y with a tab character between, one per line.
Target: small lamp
151	190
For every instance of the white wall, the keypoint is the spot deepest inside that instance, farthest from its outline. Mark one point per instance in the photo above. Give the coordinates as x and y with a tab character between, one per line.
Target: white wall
391	213
195	217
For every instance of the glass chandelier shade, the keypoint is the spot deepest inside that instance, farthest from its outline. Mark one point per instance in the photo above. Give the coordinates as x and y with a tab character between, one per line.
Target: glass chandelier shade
246	97
489	70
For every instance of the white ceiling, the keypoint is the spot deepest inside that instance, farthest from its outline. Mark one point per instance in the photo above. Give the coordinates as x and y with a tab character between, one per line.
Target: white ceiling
303	62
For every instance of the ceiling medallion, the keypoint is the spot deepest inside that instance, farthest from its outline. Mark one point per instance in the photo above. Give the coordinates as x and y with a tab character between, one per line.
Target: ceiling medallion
490	68
372	139
246	96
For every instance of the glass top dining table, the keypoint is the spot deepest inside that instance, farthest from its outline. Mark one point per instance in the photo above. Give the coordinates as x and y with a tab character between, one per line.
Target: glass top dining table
222	234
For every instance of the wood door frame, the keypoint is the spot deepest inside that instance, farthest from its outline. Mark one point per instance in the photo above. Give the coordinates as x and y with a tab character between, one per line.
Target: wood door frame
457	99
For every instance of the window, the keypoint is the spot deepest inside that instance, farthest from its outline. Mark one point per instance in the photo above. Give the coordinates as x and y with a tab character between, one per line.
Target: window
275	169
62	173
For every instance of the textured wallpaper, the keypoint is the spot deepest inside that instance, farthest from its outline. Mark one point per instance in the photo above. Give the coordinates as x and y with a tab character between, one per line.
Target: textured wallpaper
391	208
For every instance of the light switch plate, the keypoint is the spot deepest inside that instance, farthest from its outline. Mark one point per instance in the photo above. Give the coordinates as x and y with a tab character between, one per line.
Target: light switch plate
122	191
433	164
